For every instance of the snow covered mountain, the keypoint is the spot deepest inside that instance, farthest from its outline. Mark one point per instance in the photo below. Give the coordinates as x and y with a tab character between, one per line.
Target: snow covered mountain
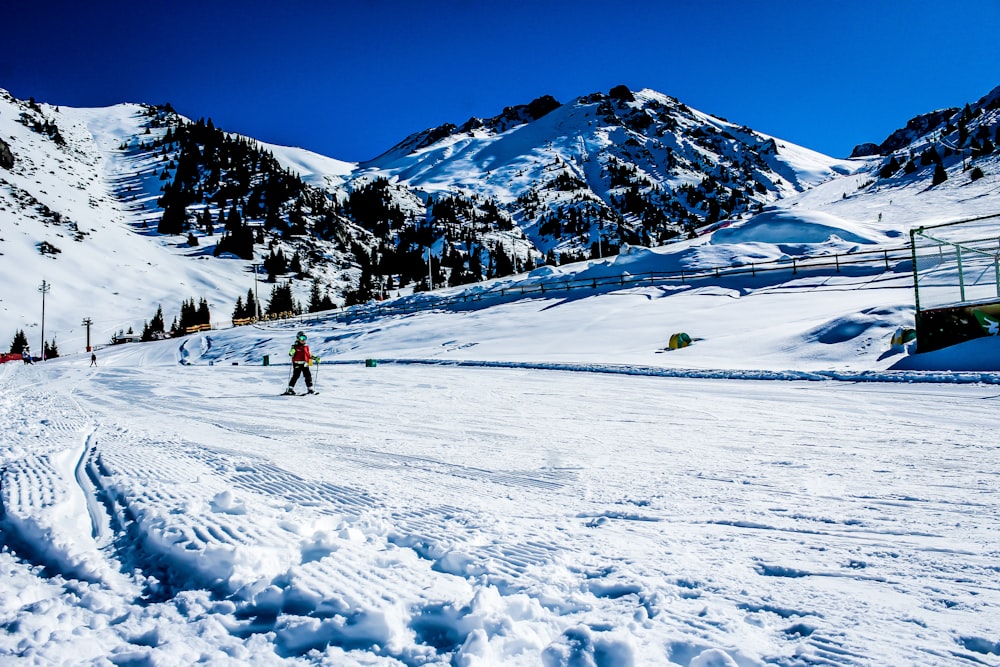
628	167
82	196
126	209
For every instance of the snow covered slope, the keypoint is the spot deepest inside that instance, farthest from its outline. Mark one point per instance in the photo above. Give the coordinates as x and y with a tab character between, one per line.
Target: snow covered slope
168	506
79	214
317	170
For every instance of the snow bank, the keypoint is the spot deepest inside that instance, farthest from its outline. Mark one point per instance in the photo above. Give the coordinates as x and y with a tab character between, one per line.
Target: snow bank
792	227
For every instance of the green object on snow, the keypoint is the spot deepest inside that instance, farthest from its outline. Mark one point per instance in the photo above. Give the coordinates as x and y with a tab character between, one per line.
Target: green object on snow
990	325
679	340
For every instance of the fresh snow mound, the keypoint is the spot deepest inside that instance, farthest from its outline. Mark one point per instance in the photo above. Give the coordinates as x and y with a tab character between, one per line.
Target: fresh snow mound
794	227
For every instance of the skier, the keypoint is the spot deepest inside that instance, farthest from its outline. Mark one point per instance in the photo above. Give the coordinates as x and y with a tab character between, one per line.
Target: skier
301	359
93	358
26	355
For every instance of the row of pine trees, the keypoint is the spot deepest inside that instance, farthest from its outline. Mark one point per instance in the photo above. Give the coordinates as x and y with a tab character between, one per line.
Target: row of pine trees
191	315
282	302
20	343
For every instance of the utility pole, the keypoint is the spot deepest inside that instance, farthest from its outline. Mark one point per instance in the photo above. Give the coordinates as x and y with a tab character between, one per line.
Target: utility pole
256	294
430	279
44	289
87	322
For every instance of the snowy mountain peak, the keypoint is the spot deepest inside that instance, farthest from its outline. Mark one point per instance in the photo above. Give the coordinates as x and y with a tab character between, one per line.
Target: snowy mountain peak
618	167
510	117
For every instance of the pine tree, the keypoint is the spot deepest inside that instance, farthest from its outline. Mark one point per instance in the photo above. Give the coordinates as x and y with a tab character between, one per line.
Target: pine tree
206	222
19	343
252	309
275	264
315	297
504	265
235	221
890	168
282	300
203	316
173	220
240	311
930	156
154	328
365	290
940	175
51	351
188	316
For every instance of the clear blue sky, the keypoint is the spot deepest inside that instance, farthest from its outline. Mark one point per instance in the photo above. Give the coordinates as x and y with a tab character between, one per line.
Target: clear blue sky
350	79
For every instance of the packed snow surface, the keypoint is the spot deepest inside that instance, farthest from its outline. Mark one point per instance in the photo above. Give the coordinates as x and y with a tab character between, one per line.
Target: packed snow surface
539	482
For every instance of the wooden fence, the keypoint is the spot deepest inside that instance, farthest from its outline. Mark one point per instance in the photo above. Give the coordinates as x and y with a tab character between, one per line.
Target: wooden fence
883	259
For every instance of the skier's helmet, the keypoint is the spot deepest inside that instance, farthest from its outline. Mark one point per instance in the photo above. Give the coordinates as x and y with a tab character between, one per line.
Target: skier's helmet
300	336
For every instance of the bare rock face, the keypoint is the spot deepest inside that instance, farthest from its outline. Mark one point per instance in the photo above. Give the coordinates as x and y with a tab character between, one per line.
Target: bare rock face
6	156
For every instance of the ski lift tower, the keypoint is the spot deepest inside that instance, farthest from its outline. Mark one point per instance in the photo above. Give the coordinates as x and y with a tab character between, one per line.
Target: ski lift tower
956	280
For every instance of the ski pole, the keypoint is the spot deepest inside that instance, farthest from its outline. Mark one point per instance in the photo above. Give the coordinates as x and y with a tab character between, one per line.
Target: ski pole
316	382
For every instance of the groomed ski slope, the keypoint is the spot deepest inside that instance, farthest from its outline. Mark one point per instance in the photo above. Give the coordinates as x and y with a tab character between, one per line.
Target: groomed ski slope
169	507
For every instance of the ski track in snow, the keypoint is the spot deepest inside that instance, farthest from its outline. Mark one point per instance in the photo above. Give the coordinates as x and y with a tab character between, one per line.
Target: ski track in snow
422	514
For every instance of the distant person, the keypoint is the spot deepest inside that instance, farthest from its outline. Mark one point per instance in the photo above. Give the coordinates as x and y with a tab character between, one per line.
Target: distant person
300	365
26	355
93	358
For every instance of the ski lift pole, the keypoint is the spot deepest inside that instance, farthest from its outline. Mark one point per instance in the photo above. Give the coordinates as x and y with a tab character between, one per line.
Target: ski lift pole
996	271
961	276
430	278
44	289
916	273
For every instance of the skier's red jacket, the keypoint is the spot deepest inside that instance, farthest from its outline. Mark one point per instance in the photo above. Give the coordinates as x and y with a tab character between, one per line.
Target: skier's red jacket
300	353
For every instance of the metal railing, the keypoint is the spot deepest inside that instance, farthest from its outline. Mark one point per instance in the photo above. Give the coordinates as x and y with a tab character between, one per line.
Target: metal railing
897	259
955	264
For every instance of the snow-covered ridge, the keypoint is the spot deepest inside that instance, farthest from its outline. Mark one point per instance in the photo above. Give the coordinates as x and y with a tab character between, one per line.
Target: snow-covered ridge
76	214
315	169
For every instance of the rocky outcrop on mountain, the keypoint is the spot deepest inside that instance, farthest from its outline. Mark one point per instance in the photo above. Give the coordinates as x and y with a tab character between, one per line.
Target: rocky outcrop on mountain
6	155
915	128
933	141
